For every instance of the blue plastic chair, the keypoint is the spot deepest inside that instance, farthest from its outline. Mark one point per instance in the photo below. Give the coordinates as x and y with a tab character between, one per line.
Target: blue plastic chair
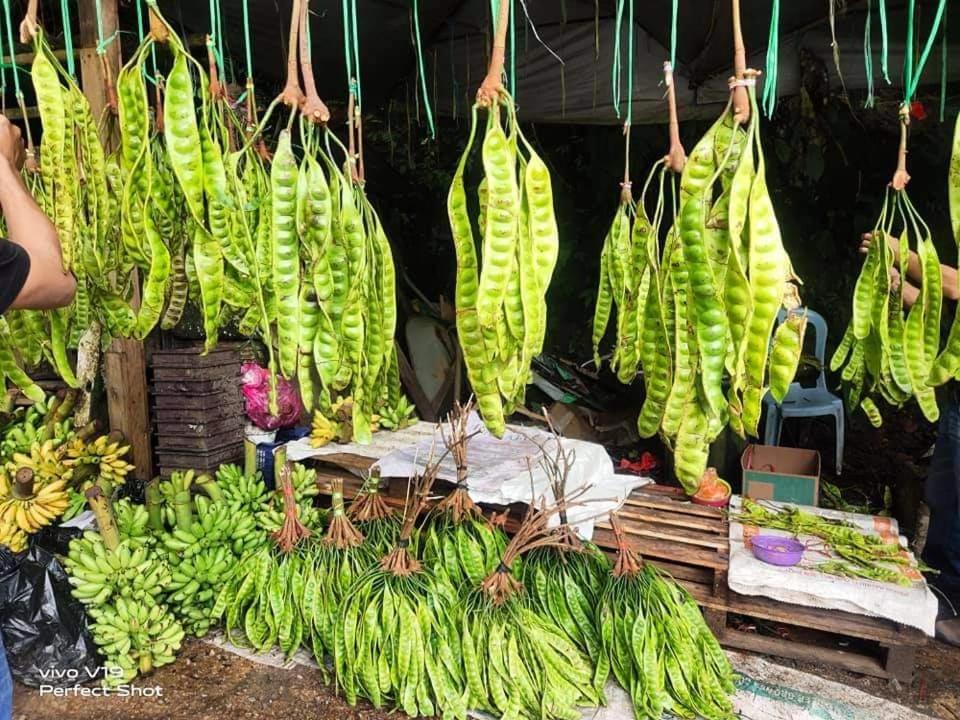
802	401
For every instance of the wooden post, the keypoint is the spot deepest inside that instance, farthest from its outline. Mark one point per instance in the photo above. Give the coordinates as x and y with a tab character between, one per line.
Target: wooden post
125	365
92	73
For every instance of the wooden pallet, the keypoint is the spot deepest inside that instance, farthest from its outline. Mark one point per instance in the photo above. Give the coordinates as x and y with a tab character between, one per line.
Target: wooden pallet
691	543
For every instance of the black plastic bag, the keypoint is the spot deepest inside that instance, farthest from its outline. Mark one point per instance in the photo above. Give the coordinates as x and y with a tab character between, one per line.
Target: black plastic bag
56	538
44	628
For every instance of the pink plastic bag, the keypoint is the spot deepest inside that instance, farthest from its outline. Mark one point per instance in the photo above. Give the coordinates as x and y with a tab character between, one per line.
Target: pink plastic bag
255	383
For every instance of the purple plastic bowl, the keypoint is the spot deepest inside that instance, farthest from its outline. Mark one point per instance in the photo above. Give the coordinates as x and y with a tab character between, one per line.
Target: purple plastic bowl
777	550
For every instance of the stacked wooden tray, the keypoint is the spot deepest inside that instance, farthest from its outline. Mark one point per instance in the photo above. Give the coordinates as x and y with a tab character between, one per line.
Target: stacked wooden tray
197	408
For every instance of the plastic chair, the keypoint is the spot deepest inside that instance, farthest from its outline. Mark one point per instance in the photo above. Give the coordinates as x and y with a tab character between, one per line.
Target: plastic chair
802	401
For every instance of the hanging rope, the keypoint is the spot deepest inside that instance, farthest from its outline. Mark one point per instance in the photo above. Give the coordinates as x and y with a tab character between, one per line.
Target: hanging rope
153	49
139	21
908	53
221	56
18	93
13	53
356	49
884	45
618	62
422	71
215	37
247	47
911	73
630	30
769	99
3	70
673	33
347	55
616	69
102	42
510	79
351	47
536	34
943	69
868	55
68	38
512	85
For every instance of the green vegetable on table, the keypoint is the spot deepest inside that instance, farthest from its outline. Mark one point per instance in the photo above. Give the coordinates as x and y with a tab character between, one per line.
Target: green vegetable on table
860	554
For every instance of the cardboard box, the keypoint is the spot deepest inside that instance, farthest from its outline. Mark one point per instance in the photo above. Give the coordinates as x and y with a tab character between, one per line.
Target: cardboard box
789	475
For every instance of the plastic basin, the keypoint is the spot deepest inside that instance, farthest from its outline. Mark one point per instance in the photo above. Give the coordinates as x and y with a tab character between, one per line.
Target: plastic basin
777	550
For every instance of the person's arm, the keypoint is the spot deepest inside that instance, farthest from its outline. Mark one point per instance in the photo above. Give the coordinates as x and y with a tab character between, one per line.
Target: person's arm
47	284
910	294
948	275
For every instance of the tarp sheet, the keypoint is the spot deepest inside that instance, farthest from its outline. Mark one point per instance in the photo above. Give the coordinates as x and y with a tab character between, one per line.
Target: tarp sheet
501	471
456	38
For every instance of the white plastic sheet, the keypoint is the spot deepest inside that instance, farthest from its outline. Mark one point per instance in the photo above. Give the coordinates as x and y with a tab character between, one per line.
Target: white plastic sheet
502	471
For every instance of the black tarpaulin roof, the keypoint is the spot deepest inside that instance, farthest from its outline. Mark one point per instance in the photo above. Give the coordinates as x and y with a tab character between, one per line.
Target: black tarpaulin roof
456	35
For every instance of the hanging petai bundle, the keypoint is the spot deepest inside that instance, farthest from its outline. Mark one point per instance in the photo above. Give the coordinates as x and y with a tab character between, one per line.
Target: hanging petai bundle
697	310
882	353
501	292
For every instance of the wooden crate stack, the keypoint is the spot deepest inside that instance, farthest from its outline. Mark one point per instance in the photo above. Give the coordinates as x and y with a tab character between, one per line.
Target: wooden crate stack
197	408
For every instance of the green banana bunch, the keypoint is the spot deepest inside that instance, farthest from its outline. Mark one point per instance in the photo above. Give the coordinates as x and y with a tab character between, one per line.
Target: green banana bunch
215	525
135	638
242	493
36	425
133	523
203	555
100	576
194	584
32	431
183	486
305	488
76	505
396	417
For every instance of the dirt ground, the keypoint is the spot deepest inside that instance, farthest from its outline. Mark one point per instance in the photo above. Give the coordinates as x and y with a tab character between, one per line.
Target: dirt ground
934	691
207	683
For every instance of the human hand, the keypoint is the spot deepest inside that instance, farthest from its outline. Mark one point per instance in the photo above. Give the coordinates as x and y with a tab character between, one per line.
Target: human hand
894	279
867	238
11	144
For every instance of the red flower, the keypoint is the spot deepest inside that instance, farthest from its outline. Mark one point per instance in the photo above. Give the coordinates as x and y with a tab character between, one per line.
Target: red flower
917	110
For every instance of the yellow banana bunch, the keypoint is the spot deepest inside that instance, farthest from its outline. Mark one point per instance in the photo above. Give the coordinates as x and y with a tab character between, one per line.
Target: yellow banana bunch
106	453
323	430
334	423
29	514
13	537
46	462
